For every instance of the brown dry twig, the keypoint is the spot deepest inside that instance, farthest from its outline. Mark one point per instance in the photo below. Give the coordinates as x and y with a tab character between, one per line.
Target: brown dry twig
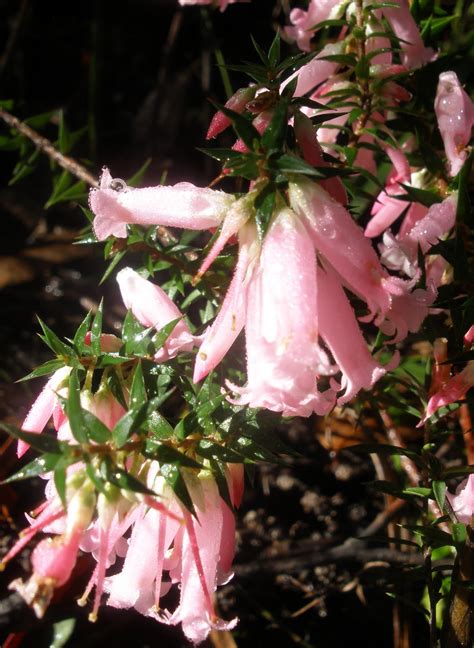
44	145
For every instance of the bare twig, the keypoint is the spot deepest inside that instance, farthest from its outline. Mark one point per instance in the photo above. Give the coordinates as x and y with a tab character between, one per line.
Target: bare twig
409	467
44	145
352	550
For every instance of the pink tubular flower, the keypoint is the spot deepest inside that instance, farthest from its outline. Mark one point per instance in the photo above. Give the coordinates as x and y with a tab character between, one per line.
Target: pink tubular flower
43	407
237	103
115	205
273	295
53	559
197	554
340	331
231	317
388	207
313	154
283	354
455	114
400	252
206	552
453	390
414	53
152	307
317	71
462	502
303	22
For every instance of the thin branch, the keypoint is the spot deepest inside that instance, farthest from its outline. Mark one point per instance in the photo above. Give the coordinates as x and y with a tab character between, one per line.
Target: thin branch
47	147
408	465
352	550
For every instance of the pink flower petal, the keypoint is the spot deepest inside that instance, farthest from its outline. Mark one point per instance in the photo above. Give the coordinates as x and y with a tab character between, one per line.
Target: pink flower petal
43	407
230	320
455	114
153	308
340	331
182	205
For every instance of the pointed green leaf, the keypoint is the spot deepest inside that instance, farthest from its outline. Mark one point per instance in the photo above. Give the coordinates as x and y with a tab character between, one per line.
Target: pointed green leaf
38	466
223	487
242	126
260	52
274	51
421	196
439	490
63	631
41	442
274	137
118	256
291	164
167	454
172	474
96	430
159	426
45	369
161	337
64	135
138	394
211	450
124	480
459	533
60	484
75	411
54	342
96	329
80	335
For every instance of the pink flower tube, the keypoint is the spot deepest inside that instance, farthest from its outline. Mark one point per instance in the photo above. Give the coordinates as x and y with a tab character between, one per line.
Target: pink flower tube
455	114
462	502
283	354
303	22
453	390
182	205
153	308
414	53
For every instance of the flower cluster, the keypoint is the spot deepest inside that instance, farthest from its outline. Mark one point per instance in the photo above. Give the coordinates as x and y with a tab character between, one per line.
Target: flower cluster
317	294
137	519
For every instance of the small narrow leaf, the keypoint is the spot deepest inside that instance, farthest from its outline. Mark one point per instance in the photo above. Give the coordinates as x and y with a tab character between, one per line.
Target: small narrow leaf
160	338
137	391
439	490
124	480
74	410
42	442
38	466
96	430
264	205
45	369
459	533
274	51
60	484
171	473
54	342
80	335
167	454
96	330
